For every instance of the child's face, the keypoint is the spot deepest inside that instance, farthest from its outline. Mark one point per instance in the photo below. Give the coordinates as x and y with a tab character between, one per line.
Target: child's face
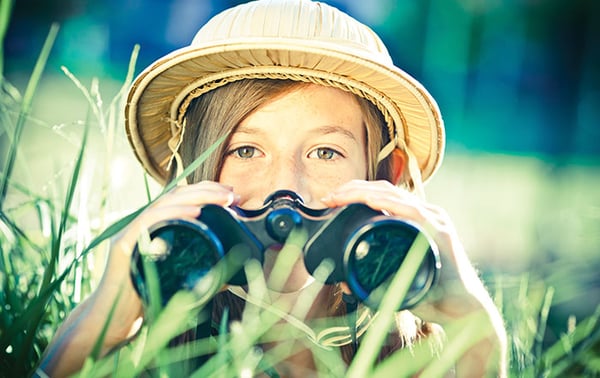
310	140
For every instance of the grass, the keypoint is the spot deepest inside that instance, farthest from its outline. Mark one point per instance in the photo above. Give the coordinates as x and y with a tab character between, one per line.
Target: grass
47	244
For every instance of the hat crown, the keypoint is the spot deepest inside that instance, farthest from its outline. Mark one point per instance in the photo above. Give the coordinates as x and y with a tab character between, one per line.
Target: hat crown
287	21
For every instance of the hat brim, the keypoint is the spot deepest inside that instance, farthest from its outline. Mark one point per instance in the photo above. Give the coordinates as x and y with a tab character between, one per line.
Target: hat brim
158	92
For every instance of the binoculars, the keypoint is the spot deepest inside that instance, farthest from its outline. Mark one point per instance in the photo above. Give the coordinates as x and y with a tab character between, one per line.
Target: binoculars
366	247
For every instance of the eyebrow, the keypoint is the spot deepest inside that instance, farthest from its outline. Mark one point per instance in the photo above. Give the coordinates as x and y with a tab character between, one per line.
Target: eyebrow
321	130
334	129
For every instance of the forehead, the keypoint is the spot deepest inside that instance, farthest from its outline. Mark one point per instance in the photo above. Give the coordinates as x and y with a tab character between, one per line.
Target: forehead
307	106
318	96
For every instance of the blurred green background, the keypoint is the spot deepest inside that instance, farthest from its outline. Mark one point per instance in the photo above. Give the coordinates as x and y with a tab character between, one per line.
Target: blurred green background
518	83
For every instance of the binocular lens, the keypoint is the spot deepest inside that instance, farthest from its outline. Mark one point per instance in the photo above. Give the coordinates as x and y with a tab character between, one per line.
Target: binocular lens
281	222
183	253
376	255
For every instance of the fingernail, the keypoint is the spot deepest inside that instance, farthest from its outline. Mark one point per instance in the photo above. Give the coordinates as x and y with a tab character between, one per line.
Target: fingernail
232	199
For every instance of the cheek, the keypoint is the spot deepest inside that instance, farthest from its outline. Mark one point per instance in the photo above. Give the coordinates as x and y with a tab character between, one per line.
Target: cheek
323	181
249	182
237	177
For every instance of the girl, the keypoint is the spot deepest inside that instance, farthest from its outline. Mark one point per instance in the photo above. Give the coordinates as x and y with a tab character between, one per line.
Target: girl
308	100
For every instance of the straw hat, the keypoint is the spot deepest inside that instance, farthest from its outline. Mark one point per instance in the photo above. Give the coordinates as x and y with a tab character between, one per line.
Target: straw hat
283	39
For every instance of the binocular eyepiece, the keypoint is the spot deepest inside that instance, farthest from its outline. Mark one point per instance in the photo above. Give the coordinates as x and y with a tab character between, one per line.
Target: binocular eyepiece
366	247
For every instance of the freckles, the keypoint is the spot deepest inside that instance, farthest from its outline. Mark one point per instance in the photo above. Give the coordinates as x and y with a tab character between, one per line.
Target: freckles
326	181
237	178
246	179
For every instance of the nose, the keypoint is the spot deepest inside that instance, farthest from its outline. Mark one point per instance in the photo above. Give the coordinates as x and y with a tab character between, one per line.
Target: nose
289	174
284	195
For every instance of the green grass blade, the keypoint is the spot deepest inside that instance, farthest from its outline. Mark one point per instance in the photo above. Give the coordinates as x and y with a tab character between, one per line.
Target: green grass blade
377	333
21	350
195	164
128	78
36	306
20	234
25	108
5	11
172	320
154	307
37	312
111	230
8	297
93	104
147	187
38	303
571	348
419	360
542	323
56	243
109	125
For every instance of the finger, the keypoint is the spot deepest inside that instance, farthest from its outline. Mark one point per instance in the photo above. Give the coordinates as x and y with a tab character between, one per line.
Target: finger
357	191
199	194
345	288
403	207
391	200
